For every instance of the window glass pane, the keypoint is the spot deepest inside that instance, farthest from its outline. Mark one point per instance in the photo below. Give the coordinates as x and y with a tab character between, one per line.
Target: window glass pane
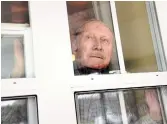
18	111
93	44
14	12
138	41
164	98
98	108
13	56
142	106
145	106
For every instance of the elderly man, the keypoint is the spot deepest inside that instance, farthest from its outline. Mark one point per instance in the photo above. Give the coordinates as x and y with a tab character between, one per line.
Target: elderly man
92	48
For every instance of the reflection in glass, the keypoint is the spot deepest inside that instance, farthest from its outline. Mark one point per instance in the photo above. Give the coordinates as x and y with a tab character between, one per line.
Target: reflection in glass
145	105
92	41
136	37
98	108
112	108
19	111
14	12
12	57
14	112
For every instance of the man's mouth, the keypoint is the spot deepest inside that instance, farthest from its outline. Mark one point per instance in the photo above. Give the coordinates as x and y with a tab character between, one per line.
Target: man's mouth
97	56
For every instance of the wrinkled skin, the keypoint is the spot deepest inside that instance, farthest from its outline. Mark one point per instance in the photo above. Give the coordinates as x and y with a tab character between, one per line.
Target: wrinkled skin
93	47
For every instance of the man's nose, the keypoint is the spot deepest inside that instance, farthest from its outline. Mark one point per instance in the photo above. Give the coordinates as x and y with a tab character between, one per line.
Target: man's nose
97	44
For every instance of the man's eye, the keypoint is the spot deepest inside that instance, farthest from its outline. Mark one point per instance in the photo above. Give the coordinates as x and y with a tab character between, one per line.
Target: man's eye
105	40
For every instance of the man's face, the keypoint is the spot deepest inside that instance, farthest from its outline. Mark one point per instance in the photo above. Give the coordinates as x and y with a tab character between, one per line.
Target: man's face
94	47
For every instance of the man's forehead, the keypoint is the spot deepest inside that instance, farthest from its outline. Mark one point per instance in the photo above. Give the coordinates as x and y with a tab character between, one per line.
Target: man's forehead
94	25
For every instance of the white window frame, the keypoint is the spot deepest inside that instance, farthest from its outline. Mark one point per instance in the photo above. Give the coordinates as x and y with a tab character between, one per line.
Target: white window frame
13	84
123	80
25	31
161	8
55	85
22	87
17	83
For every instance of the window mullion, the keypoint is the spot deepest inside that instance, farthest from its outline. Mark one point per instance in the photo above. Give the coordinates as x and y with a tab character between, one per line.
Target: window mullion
163	91
160	98
122	107
14	27
32	110
120	58
157	41
161	11
28	54
117	37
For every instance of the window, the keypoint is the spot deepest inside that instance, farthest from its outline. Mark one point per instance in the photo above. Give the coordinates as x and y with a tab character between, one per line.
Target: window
19	91
139	41
16	40
62	96
14	12
140	37
105	107
16	59
19	110
132	30
89	61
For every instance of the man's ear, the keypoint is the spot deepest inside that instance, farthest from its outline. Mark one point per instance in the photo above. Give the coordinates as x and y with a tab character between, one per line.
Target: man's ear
74	46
